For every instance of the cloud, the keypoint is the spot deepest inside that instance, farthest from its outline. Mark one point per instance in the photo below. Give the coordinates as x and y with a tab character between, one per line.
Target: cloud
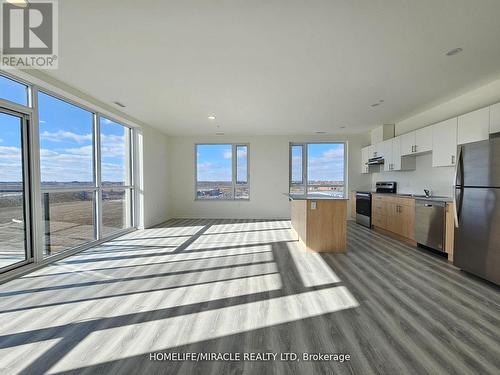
84	150
69	164
242	152
106	121
62	135
329	166
113	145
209	171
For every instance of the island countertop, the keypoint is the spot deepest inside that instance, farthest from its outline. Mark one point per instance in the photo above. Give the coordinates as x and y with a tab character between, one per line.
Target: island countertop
314	197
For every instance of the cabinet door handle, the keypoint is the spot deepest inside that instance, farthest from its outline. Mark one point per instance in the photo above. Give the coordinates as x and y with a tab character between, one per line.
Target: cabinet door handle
415	148
452	159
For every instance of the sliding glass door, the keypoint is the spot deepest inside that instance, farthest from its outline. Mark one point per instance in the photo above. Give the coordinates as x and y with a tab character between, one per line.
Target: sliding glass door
14	200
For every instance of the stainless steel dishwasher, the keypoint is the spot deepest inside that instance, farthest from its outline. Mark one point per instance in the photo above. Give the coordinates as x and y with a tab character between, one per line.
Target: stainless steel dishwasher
430	223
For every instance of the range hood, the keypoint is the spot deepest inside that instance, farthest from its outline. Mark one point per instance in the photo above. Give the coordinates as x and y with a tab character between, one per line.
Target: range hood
376	161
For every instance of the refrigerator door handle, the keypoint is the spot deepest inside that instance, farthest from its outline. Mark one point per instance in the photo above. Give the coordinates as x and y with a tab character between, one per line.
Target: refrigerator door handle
456	186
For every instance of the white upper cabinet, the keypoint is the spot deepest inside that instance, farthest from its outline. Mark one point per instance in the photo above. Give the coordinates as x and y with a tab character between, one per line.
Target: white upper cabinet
396	154
416	142
423	140
399	163
474	126
444	143
495	118
364	159
408	143
386	151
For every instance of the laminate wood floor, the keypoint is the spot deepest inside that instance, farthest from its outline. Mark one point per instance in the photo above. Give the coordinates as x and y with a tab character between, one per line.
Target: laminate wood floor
245	286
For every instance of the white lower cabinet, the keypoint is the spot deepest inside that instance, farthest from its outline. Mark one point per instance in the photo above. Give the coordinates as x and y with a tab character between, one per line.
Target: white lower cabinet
444	143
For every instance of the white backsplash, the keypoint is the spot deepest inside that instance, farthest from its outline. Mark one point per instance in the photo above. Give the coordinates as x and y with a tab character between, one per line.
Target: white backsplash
438	180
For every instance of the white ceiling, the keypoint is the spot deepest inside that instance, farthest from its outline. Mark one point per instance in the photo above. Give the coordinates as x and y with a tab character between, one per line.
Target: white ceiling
276	67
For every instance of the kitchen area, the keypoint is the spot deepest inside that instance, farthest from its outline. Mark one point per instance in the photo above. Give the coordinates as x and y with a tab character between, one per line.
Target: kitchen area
438	188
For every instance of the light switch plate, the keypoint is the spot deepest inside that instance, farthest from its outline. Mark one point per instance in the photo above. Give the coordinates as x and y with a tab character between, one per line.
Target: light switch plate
313	205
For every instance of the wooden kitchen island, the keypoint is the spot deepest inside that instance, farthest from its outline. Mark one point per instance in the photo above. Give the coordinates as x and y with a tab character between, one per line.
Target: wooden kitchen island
320	222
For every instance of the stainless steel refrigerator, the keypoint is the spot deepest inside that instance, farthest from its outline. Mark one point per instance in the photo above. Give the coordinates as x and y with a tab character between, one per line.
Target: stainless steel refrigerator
477	209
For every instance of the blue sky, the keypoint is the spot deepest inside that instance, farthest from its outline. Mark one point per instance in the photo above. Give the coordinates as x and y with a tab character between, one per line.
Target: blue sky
325	162
214	162
65	143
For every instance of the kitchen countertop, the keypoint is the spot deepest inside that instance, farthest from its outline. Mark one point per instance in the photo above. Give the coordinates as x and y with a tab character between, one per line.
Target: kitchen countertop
315	197
437	198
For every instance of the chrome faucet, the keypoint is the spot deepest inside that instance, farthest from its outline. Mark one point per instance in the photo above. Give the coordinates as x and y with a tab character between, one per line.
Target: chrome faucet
427	193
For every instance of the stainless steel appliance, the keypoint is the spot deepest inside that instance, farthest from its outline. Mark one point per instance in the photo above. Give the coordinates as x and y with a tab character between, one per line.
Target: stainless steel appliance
386	187
364	208
477	209
430	219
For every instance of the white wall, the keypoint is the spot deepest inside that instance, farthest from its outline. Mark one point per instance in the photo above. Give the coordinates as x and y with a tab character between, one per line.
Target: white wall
438	180
269	169
154	187
475	99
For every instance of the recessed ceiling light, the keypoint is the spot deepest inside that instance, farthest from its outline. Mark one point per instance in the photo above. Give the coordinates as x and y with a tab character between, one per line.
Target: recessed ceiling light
375	104
454	51
342	127
212	117
320	132
120	104
381	101
219	133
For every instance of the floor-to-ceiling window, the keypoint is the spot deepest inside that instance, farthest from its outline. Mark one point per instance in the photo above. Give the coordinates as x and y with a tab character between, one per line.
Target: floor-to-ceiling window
67	174
15	245
116	176
86	184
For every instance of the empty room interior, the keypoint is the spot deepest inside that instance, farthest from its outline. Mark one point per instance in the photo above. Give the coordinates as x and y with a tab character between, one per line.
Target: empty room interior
250	187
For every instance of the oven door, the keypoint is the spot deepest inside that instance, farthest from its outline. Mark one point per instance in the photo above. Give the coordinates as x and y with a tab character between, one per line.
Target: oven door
364	209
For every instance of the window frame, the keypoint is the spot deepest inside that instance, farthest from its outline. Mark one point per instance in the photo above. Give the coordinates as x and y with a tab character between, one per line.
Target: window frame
29	90
33	182
234	171
305	157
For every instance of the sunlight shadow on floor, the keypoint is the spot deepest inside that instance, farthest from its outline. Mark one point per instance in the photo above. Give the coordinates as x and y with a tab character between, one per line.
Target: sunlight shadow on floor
205	325
312	269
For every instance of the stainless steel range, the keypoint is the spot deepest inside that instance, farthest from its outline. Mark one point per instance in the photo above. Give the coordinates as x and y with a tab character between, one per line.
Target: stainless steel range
389	187
364	208
364	202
